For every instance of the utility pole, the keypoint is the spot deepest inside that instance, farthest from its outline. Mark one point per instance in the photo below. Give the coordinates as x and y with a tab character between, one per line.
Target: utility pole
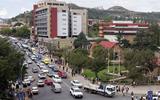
108	59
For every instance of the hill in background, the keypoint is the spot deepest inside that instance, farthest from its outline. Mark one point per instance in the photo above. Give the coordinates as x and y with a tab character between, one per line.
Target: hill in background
116	13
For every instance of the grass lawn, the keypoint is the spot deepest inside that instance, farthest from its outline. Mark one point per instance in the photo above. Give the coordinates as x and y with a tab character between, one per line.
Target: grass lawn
115	69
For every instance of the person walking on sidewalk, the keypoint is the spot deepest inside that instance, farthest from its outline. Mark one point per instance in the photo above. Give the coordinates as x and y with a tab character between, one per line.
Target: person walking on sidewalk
132	95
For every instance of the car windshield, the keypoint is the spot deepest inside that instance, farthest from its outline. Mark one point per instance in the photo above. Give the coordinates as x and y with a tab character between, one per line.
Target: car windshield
111	89
77	82
77	90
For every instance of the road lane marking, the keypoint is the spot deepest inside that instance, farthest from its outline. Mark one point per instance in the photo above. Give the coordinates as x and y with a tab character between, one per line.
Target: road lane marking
66	84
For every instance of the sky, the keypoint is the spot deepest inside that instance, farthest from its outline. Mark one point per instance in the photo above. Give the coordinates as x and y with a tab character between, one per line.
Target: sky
11	8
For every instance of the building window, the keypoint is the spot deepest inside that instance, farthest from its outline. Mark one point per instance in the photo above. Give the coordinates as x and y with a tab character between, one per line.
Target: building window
75	28
74	13
63	14
61	4
63	10
64	19
63	28
75	21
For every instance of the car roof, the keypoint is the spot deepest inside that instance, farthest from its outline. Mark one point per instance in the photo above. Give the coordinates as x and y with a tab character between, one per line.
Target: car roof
75	88
75	80
40	80
35	87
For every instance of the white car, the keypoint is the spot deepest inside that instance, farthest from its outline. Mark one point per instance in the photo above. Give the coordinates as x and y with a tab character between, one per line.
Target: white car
42	75
44	70
31	78
42	65
29	61
57	79
33	57
27	82
40	83
76	83
35	90
76	92
155	97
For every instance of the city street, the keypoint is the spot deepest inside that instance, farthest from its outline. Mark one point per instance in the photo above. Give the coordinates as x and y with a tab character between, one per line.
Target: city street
45	93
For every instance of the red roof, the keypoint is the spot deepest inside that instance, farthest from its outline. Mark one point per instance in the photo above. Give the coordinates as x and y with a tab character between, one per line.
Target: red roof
107	44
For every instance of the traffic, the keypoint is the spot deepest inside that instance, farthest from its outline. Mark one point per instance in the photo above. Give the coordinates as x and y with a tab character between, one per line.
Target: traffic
46	75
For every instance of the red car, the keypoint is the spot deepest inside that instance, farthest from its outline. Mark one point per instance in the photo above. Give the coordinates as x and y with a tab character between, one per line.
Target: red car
48	81
62	74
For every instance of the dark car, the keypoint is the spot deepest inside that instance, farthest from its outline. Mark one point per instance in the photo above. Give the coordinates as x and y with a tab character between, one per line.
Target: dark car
55	69
35	70
62	74
50	74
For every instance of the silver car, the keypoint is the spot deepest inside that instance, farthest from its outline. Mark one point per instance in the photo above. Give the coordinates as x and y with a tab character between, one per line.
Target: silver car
56	87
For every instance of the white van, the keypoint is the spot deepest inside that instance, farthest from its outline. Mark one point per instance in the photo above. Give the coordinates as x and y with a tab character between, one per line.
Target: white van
56	87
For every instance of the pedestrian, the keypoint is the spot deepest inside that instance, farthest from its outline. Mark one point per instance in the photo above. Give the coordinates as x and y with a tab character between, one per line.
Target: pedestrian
63	67
123	91
119	88
67	69
132	95
127	89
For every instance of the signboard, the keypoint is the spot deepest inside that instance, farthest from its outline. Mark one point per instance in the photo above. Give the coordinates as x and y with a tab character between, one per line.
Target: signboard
150	95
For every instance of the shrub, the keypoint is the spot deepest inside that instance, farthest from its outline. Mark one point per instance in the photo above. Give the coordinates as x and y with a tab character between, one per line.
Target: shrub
103	76
89	74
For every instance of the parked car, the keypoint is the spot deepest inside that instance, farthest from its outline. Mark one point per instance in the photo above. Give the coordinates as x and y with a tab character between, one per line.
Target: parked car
40	83
56	79
76	83
35	70
48	81
35	90
42	75
75	92
56	87
62	74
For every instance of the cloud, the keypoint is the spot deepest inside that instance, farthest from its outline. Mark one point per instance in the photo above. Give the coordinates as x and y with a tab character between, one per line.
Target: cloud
3	12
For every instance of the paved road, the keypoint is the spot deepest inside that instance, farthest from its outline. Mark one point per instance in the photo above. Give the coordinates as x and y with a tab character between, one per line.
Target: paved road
45	93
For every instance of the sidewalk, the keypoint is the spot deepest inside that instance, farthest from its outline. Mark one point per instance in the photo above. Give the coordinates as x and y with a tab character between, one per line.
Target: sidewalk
138	90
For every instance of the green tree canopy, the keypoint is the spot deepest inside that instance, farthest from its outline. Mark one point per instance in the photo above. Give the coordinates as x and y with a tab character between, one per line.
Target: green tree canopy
23	32
10	65
81	41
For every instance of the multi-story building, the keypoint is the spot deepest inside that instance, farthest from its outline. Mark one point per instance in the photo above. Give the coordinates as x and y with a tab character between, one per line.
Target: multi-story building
127	29
53	18
78	21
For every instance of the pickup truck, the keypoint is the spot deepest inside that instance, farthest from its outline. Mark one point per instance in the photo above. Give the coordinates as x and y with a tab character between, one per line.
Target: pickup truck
102	89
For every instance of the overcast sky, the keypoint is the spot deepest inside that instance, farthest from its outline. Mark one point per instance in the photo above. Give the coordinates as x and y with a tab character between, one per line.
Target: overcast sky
10	8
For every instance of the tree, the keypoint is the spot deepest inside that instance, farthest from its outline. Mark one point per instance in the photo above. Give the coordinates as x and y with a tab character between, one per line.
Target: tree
81	41
155	29
99	51
6	31
136	57
77	60
23	32
144	39
10	66
99	60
